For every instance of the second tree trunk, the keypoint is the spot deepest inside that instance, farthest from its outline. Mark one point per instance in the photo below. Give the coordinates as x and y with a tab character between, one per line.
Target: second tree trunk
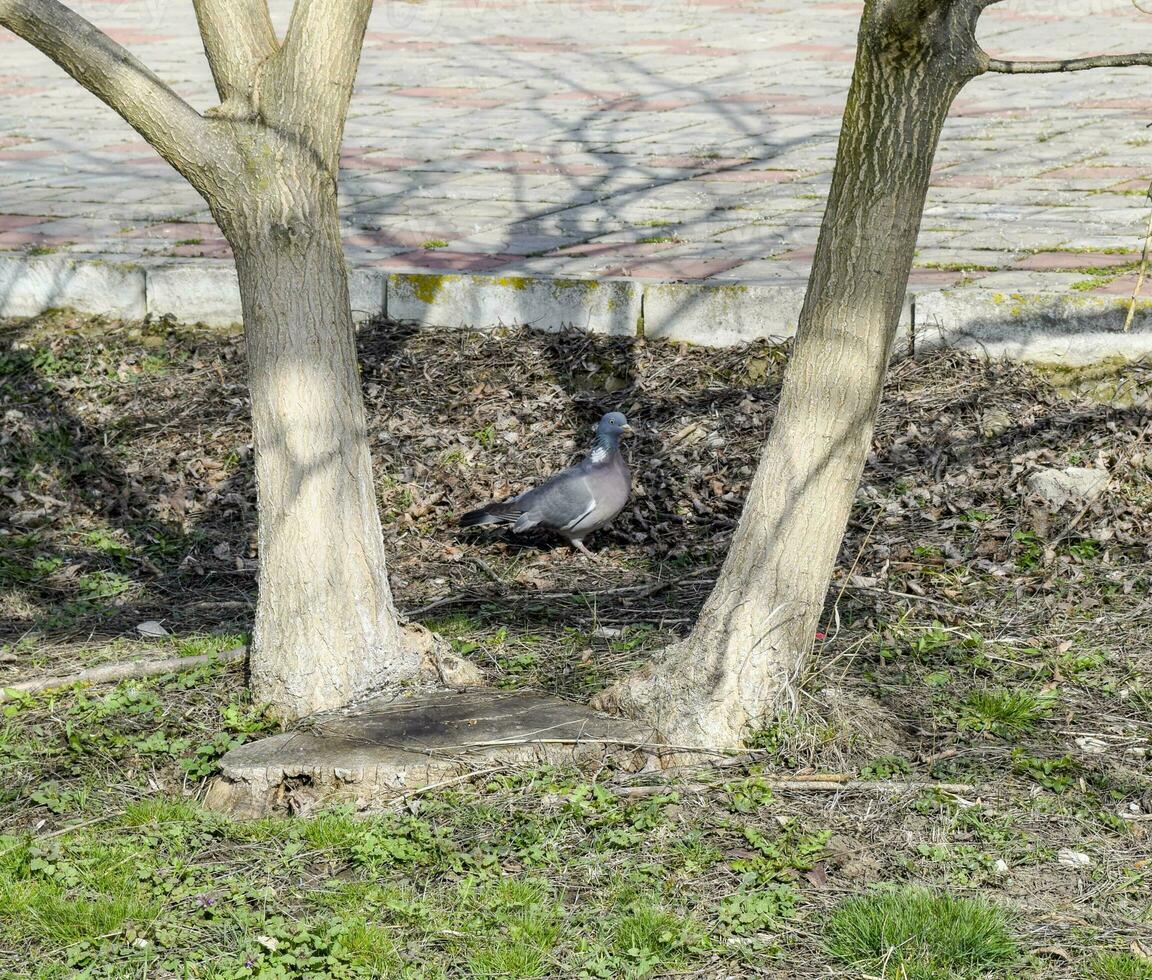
742	661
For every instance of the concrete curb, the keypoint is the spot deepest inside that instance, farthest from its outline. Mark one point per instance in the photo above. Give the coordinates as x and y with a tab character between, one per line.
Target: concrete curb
1048	328
1032	325
31	284
603	306
721	314
206	293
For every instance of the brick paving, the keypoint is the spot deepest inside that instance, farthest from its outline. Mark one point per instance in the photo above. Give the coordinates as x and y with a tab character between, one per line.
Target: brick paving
651	139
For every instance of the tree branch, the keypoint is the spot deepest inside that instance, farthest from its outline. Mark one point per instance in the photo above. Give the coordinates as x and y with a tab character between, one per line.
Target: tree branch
124	670
177	131
309	81
1072	64
238	38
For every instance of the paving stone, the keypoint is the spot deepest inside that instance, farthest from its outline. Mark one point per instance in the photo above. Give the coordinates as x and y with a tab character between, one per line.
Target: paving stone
1016	283
1058	261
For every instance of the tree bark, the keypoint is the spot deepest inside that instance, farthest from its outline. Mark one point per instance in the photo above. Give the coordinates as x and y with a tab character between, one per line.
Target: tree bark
740	664
266	162
326	629
238	40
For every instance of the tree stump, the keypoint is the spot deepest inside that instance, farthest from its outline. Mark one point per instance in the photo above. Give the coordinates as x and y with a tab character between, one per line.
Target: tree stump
389	746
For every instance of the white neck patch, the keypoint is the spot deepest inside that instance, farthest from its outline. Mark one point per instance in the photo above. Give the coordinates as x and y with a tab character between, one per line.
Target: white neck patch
598	454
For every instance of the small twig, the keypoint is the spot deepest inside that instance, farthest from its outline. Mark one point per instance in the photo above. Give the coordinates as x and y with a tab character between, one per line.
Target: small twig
641	590
462	778
124	670
814	784
927	600
1121	738
486	569
851	572
447	600
1072	524
644	591
62	831
1143	268
871	786
657	789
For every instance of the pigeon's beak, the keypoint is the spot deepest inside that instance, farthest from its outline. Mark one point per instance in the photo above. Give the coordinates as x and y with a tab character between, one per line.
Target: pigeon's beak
627	429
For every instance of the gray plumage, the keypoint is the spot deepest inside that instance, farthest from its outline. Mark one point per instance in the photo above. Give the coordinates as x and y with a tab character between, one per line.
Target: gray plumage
576	501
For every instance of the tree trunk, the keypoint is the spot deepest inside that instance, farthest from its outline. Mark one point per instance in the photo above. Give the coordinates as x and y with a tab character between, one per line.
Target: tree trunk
326	629
742	660
266	161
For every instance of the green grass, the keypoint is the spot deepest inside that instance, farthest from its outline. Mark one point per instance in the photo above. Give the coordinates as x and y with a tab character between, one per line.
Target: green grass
1119	966
1003	711
535	873
166	883
958	266
202	644
918	934
1102	275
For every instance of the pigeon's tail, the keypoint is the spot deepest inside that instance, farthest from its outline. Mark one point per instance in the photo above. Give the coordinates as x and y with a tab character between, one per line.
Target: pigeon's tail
500	513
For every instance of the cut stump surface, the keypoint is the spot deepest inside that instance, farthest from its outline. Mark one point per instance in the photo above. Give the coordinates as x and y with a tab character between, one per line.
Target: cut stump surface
389	746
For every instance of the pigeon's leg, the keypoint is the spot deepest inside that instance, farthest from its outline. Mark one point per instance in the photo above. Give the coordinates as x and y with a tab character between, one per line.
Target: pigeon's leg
579	546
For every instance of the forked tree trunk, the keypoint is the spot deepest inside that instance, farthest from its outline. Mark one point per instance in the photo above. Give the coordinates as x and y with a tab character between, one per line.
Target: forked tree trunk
266	161
326	628
740	664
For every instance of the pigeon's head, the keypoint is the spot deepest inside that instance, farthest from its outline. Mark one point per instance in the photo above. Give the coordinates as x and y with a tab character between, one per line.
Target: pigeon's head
613	426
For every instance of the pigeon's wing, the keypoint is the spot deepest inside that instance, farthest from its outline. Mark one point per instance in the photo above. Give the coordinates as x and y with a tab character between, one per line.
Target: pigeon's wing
559	504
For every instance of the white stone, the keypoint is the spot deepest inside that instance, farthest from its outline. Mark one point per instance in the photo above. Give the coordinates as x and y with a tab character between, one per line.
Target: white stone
31	284
605	306
1073	483
1073	859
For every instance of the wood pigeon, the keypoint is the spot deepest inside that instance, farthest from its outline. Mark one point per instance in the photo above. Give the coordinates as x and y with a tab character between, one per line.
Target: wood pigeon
576	501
